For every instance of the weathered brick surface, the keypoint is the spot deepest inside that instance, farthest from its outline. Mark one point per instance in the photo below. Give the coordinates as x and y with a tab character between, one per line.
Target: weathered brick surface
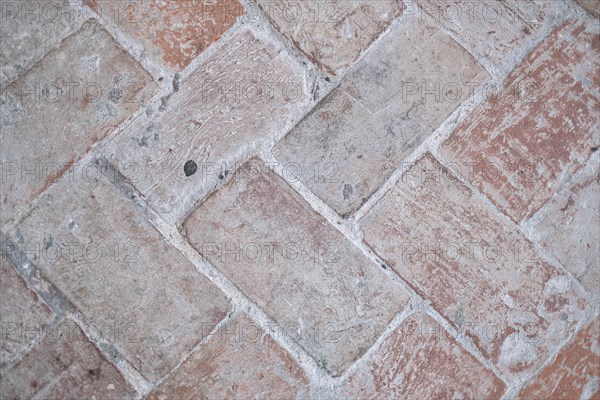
420	360
219	112
478	271
54	113
574	373
310	279
387	105
142	294
22	314
31	28
522	145
569	227
334	33
65	365
495	30
240	361
174	32
590	6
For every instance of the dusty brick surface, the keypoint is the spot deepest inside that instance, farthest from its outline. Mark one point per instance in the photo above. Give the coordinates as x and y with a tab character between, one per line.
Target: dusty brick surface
31	28
23	315
219	112
310	279
65	365
523	145
334	33
240	361
590	6
420	360
574	372
478	271
173	32
387	105
53	114
495	30
569	227
142	294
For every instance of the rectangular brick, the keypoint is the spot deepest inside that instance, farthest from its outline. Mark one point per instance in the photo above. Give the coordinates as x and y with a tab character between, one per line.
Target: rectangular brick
522	148
23	315
495	30
239	361
65	365
569	226
332	34
141	294
287	259
477	270
173	33
30	29
387	105
243	96
420	360
53	114
574	373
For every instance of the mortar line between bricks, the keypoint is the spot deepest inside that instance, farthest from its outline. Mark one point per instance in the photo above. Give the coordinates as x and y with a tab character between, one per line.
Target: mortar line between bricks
356	239
544	256
239	299
231	315
64	308
539	250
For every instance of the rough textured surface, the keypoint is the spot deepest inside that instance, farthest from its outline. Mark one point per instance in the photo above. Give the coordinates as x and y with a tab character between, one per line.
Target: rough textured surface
65	365
420	360
23	316
175	32
495	30
590	6
386	106
574	373
53	114
477	270
107	259
220	112
570	226
288	260
31	28
524	144
334	33
240	361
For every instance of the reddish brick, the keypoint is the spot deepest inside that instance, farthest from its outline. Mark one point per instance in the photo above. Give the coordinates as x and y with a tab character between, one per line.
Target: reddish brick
523	145
22	314
67	102
141	294
65	365
568	226
387	105
242	97
175	32
495	30
240	361
477	270
303	272
590	6
332	34
420	360
30	29
574	373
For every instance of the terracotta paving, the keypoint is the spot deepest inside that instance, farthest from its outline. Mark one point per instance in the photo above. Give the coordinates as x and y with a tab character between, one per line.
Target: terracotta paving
300	199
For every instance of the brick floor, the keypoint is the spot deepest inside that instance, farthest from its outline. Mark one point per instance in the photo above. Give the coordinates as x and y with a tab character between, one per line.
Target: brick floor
300	199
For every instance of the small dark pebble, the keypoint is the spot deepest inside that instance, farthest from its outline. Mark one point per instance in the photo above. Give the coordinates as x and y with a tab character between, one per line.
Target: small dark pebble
221	176
190	168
